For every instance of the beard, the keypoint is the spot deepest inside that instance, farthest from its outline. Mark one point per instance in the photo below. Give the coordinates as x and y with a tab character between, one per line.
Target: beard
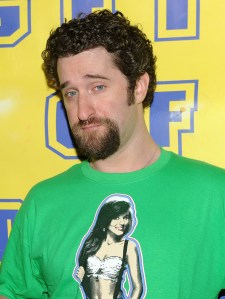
97	145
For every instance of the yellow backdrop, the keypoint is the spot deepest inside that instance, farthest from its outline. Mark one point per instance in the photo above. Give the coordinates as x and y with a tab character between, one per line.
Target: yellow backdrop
188	114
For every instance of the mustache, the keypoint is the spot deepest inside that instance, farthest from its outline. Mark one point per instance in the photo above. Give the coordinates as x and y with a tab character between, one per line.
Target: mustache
91	120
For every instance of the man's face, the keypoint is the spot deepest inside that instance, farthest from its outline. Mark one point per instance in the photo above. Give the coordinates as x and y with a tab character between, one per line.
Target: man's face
95	95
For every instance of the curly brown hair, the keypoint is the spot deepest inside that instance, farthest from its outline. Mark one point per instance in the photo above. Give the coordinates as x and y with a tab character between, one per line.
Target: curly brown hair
131	50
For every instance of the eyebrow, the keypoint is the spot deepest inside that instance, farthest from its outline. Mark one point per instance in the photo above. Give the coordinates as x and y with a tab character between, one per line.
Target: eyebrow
95	76
63	85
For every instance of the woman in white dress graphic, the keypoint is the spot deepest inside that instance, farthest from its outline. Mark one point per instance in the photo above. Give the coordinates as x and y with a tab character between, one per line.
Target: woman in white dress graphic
107	254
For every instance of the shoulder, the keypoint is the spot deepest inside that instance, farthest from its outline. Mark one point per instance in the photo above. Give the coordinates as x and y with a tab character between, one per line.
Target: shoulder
133	251
132	246
49	190
192	168
66	177
190	162
56	183
46	193
197	179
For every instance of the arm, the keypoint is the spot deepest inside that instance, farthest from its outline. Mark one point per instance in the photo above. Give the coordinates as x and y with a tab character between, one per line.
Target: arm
19	275
1	297
80	274
135	271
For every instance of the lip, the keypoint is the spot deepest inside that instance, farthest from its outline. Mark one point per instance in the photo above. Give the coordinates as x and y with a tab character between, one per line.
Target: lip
120	228
90	127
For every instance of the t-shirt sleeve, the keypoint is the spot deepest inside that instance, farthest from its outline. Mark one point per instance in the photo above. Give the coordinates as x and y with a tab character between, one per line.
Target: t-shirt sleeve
19	274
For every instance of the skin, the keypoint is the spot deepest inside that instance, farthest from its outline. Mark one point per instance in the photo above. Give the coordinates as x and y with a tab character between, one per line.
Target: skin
117	226
92	86
104	289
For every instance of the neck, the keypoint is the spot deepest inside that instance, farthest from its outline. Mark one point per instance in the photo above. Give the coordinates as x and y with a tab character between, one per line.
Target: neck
139	153
111	238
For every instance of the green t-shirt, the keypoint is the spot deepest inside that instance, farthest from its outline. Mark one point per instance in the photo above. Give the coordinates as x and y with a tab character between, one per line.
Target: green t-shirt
178	227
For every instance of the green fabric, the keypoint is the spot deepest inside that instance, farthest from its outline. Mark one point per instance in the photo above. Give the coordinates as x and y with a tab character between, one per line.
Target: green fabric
181	229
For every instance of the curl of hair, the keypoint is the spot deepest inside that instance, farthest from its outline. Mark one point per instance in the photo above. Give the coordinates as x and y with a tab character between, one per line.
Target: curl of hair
131	50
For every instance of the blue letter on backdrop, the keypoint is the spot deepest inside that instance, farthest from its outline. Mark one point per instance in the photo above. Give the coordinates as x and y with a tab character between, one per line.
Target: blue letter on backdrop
177	12
174	102
75	7
10	20
15	22
175	21
8	210
161	115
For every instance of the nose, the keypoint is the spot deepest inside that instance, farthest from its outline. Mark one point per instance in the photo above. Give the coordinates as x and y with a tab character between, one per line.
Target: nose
85	106
122	221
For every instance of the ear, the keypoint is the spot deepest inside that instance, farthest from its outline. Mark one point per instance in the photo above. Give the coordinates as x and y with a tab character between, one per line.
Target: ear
141	88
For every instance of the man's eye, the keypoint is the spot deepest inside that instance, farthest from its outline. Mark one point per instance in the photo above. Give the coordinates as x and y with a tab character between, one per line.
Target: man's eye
71	93
99	87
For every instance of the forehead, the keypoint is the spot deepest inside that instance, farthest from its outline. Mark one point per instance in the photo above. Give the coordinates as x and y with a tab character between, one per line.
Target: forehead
92	61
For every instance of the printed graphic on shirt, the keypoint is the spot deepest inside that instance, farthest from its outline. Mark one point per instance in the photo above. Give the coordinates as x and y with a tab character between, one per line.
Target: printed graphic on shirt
109	261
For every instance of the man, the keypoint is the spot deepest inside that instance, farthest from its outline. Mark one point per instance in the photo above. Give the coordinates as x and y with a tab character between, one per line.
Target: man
105	70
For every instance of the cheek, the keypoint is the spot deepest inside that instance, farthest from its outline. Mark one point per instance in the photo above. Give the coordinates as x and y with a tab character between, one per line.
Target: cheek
71	113
115	106
113	223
